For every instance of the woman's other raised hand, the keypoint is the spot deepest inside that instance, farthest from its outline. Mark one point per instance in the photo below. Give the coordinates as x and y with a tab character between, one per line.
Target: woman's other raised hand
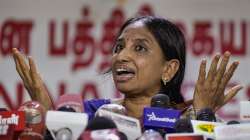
32	79
210	89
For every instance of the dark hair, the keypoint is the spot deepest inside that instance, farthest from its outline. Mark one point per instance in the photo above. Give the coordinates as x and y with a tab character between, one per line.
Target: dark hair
172	42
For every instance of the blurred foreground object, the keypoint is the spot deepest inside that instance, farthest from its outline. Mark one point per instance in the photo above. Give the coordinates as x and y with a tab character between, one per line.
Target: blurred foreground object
34	121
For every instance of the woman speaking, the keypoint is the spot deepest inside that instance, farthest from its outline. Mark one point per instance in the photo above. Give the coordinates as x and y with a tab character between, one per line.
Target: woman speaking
149	57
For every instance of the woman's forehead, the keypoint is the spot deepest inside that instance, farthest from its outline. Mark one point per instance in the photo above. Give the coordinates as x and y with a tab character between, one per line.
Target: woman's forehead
136	30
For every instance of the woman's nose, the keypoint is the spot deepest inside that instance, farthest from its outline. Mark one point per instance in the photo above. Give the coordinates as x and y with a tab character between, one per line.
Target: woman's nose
124	55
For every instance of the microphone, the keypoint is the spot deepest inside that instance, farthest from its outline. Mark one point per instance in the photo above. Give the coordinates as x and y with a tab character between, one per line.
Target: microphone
91	106
122	135
127	125
102	134
71	123
66	103
244	111
114	108
101	123
34	121
232	122
151	134
66	109
183	125
206	114
161	101
101	128
69	103
3	109
160	116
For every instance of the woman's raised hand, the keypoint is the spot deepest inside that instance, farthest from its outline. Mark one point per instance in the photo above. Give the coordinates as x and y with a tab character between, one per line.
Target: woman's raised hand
31	79
209	90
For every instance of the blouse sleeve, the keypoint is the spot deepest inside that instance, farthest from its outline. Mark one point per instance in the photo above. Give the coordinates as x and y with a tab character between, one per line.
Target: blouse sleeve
91	106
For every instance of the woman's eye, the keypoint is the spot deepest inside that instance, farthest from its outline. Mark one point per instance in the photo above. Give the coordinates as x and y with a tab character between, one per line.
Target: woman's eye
140	48
117	48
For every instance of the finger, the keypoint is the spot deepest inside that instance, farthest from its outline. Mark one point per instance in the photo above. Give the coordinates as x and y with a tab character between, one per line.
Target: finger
230	72
18	69
33	72
222	67
232	92
23	67
229	95
14	50
213	68
227	76
202	72
225	79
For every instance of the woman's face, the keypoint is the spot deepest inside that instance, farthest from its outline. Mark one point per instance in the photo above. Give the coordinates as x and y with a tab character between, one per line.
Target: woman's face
137	62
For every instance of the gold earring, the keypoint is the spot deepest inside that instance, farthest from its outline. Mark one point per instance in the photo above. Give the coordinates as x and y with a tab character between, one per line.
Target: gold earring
164	80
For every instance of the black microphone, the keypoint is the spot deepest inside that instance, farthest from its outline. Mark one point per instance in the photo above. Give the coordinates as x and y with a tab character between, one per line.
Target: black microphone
102	128
122	135
206	114
160	100
233	122
100	123
183	125
3	109
69	103
66	109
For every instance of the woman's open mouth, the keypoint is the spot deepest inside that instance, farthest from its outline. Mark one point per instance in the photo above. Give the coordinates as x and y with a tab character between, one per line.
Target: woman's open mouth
124	74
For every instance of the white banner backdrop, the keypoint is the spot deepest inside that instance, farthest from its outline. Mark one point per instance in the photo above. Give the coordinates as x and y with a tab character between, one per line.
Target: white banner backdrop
71	40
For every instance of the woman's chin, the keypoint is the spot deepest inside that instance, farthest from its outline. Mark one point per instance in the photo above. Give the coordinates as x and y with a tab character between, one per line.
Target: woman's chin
125	88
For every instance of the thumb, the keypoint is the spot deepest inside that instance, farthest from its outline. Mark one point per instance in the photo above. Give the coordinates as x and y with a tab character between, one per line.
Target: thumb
229	95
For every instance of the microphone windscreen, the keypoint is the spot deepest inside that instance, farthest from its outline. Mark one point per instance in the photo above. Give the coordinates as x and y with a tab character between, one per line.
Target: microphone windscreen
66	109
34	120
160	100
233	122
206	114
73	101
102	134
101	123
113	108
183	125
47	135
3	109
122	136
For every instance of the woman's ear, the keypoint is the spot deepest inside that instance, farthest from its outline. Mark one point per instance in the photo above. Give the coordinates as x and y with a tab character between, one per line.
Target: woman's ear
170	69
